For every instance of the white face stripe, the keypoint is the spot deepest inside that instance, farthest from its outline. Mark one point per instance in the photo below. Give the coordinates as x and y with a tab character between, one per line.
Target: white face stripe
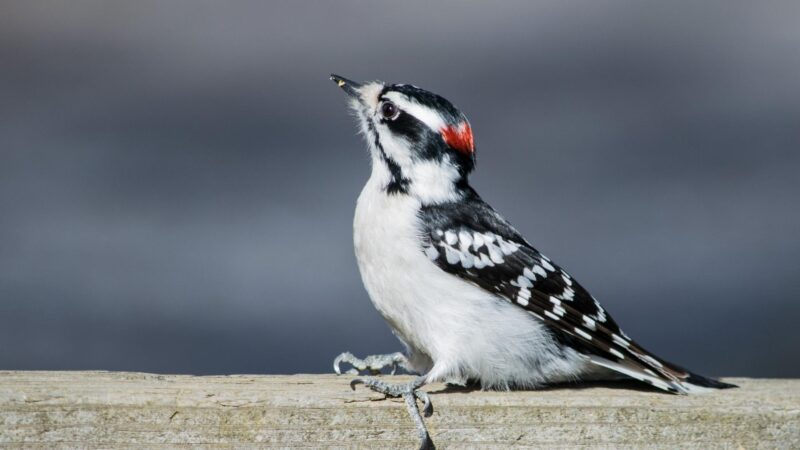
424	114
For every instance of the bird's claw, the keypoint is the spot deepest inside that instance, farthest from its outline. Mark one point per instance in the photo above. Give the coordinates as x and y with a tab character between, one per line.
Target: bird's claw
383	388
410	393
427	406
356	381
346	357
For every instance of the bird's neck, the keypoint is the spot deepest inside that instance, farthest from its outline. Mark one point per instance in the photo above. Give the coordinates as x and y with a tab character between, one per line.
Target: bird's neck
429	181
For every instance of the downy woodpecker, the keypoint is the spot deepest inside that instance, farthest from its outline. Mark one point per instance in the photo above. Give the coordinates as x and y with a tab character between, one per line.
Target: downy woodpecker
470	298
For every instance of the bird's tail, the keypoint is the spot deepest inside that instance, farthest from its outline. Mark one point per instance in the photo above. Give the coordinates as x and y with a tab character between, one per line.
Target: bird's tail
680	381
705	382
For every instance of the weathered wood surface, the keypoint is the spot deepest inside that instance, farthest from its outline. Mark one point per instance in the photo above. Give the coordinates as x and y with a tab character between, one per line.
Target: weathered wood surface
91	410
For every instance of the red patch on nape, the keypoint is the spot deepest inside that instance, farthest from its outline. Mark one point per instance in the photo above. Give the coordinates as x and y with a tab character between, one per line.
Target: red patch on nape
459	137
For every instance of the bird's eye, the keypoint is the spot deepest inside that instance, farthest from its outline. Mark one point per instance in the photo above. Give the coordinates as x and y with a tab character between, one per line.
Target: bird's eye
389	110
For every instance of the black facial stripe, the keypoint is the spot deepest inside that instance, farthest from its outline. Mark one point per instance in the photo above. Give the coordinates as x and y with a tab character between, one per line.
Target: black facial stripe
405	124
398	184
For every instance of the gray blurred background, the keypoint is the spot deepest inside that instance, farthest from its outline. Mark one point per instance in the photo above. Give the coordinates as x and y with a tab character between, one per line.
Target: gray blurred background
177	179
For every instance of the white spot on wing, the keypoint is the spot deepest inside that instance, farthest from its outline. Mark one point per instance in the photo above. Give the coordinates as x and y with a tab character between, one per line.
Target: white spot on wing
619	340
452	255
486	261
616	353
477	241
524	282
601	313
432	253
583	333
467	260
495	254
507	247
528	274
465	240
551	315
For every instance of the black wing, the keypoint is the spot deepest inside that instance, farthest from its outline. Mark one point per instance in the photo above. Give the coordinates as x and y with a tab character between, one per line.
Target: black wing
470	240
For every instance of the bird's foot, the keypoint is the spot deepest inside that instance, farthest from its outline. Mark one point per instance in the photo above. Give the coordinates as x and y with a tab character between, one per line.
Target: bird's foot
373	364
410	393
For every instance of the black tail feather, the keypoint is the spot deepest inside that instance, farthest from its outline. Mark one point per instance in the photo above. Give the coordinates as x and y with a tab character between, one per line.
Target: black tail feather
700	380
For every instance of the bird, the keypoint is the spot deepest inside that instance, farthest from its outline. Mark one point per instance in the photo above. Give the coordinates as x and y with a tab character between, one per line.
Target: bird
470	299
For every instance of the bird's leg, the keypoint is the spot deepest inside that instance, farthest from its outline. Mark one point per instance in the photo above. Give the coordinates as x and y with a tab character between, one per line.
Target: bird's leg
410	393
373	363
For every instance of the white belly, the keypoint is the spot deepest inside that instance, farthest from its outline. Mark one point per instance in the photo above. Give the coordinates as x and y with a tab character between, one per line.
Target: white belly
454	330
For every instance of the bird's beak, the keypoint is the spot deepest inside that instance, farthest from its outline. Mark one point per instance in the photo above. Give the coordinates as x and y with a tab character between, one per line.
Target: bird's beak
348	86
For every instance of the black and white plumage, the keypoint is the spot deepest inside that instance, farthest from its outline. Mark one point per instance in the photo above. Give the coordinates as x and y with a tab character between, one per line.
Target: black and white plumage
470	240
468	296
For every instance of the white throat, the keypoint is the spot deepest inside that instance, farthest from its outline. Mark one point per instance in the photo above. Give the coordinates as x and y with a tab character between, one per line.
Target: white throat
428	181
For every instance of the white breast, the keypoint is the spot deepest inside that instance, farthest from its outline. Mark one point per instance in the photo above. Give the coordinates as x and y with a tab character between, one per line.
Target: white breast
452	328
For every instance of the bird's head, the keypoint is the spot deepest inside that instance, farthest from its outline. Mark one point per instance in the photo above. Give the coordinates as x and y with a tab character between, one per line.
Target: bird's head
421	144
